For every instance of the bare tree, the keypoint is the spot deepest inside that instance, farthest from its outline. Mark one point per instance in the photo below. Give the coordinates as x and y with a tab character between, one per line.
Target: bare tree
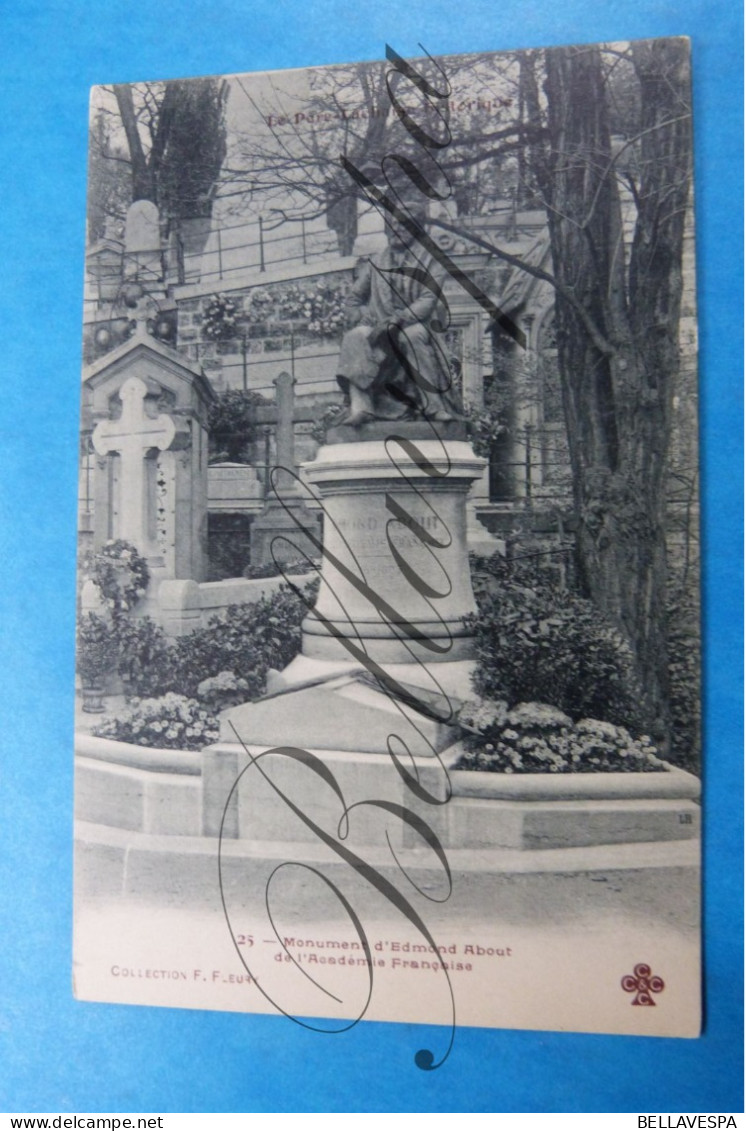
166	141
289	160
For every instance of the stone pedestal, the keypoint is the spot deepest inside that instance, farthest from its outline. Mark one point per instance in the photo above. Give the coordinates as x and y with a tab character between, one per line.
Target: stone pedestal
395	582
281	533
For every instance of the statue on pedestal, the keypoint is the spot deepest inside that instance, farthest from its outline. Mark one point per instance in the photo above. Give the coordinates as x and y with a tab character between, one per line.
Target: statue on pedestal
391	364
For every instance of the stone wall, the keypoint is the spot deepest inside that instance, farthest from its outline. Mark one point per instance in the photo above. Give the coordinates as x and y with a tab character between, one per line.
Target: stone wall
287	322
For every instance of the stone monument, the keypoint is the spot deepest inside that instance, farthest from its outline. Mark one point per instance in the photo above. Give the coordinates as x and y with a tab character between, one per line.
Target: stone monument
145	411
395	582
387	631
142	244
286	530
131	437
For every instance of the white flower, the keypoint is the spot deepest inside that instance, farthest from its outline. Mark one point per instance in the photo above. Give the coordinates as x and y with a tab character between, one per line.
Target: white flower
538	715
597	728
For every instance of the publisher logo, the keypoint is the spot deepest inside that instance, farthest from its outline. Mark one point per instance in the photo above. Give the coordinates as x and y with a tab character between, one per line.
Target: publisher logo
643	983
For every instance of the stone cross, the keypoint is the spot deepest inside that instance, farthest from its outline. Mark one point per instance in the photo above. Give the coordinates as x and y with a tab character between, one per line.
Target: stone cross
132	436
282	482
286	529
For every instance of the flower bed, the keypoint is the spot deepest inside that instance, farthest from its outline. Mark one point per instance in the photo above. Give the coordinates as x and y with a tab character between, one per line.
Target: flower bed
171	721
535	738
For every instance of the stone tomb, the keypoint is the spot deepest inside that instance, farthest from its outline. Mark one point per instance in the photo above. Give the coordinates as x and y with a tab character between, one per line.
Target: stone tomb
145	414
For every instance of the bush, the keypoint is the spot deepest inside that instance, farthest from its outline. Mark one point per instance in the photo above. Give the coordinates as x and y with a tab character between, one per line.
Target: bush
247	640
144	655
220	665
222	690
537	642
172	721
96	649
241	644
232	425
537	738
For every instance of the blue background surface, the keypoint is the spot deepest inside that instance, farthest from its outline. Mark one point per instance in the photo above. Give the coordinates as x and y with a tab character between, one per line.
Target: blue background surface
60	1055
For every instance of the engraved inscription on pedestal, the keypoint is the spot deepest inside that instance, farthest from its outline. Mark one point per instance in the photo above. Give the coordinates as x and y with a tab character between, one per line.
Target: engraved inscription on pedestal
395	577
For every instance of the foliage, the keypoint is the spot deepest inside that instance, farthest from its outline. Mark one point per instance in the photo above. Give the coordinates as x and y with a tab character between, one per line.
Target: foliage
227	661
97	649
537	738
272	569
485	424
534	641
241	644
488	421
247	640
120	573
618	319
325	422
143	647
222	690
321	308
232	425
176	140
684	677
172	722
192	115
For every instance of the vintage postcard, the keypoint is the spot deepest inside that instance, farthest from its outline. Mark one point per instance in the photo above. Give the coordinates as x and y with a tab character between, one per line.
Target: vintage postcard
388	635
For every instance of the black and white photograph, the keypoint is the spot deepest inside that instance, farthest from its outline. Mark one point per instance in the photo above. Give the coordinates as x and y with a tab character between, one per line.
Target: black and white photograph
388	604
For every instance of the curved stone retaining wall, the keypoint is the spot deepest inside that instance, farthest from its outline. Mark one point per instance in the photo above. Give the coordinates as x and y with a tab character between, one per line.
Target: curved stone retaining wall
180	793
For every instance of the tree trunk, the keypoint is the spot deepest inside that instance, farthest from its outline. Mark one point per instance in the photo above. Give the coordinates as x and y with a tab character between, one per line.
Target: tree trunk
341	216
143	181
617	380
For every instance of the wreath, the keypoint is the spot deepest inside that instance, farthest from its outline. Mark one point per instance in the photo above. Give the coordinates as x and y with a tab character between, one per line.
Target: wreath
220	320
121	574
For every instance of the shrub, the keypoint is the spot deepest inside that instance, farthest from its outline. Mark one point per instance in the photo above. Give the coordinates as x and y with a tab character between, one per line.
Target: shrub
232	425
537	738
485	425
537	642
225	663
247	640
144	655
96	649
222	690
172	721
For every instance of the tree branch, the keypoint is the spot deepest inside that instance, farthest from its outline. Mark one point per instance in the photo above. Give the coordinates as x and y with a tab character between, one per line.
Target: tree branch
598	339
